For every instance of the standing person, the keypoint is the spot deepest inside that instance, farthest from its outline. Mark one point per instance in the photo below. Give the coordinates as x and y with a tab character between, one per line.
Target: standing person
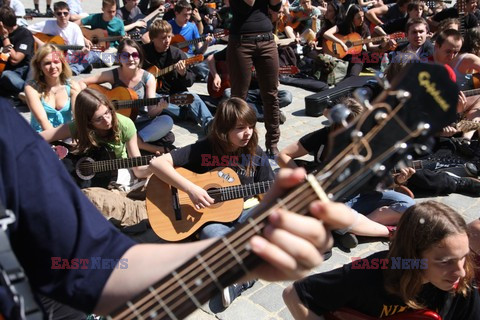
48	10
232	134
51	94
18	43
432	240
152	126
291	245
251	44
161	54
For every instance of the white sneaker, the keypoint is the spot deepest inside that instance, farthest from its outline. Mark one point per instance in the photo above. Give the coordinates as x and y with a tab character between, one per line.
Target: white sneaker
230	293
22	97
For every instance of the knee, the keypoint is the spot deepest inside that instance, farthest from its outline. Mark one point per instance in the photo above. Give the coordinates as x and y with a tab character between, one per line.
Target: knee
290	297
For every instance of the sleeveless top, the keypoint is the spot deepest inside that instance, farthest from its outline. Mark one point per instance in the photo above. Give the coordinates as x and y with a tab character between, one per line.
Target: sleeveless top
463	80
55	117
139	88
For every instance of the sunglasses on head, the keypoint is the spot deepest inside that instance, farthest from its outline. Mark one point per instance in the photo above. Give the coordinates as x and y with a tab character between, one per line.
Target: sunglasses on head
127	55
62	13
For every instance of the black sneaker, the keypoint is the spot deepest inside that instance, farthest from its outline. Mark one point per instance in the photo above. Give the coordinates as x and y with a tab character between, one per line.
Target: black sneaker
272	152
35	13
347	240
232	292
49	13
468	186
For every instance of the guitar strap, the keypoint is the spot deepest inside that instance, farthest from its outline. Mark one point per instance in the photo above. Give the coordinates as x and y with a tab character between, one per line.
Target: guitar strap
12	276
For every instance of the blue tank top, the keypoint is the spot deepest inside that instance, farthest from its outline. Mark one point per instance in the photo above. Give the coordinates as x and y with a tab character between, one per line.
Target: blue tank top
55	117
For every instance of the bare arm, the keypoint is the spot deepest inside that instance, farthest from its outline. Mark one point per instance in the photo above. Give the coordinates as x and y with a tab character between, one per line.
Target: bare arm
133	151
105	76
293	151
59	133
373	14
291	245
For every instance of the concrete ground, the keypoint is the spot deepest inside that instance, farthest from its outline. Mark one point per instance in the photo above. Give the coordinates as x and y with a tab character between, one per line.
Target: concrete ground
263	301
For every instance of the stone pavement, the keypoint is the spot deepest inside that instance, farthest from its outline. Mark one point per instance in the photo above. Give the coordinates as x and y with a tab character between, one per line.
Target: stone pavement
263	300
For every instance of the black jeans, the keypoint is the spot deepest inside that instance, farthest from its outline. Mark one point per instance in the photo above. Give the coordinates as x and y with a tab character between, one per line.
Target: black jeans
263	55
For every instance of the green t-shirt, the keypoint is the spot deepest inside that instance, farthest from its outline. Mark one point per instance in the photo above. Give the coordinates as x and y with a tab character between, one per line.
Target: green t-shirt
114	27
127	131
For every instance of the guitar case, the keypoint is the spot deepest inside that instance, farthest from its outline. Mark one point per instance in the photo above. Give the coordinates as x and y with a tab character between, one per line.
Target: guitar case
316	103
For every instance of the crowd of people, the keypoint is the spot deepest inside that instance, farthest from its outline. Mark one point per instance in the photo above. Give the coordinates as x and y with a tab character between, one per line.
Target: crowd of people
155	52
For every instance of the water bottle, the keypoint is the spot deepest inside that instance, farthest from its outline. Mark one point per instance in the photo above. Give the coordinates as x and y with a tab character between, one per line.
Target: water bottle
384	63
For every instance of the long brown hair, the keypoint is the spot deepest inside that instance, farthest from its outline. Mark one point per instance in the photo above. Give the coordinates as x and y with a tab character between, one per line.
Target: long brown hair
421	227
87	103
36	64
228	114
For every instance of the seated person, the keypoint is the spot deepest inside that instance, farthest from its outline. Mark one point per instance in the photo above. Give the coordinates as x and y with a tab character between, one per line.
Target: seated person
18	43
303	15
414	10
161	55
131	15
387	12
432	239
52	93
470	20
151	125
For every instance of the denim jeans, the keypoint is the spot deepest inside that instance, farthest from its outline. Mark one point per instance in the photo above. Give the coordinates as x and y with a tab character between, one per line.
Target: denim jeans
153	129
216	230
197	110
11	81
366	203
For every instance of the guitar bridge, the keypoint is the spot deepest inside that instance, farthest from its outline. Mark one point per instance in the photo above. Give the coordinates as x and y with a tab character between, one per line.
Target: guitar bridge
176	204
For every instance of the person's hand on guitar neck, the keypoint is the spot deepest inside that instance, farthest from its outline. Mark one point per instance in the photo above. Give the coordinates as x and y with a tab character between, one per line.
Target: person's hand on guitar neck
181	68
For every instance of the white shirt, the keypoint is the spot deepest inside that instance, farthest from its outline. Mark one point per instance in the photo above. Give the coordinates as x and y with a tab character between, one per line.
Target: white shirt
72	34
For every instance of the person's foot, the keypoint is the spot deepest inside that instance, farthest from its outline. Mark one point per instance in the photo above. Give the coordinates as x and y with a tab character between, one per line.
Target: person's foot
49	13
468	186
272	152
232	292
347	240
35	13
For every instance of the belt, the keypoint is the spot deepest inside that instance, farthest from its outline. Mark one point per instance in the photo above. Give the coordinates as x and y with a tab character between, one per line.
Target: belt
255	37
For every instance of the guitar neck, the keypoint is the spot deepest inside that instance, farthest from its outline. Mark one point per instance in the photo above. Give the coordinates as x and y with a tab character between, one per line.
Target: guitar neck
68	47
164	71
187	43
225	261
124	104
472	92
242	191
415	164
115	164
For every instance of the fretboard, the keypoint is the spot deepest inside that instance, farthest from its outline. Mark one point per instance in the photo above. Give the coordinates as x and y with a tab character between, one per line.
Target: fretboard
472	92
124	104
242	191
415	164
115	164
68	47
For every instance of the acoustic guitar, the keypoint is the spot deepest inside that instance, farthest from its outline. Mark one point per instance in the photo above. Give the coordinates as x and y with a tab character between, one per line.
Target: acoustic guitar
157	72
4	56
172	214
59	42
126	102
293	20
354	43
179	41
100	37
359	156
222	70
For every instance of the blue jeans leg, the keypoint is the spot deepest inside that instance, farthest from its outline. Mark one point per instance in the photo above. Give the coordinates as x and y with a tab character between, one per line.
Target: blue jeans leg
11	81
155	129
366	203
197	110
216	230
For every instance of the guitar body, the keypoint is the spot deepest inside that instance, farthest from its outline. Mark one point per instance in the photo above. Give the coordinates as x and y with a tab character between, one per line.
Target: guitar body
46	38
95	36
296	18
334	49
476	80
177	40
119	93
222	69
3	61
172	214
350	314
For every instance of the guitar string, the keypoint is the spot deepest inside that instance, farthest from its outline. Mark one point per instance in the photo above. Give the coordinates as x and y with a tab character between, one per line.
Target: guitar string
106	165
264	215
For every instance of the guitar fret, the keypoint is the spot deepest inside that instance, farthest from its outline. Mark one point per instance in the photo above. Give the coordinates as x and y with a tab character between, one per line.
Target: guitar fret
162	304
234	254
185	288
134	310
209	271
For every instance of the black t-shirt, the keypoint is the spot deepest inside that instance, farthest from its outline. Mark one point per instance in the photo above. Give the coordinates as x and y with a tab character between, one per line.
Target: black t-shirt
393	13
198	158
22	40
396	25
248	19
171	82
356	287
471	20
316	143
345	29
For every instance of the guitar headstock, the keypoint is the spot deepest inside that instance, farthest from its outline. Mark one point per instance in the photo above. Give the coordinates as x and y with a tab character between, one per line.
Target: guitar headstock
421	100
181	99
137	36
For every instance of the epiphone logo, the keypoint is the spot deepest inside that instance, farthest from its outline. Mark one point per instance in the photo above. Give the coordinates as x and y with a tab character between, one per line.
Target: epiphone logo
424	80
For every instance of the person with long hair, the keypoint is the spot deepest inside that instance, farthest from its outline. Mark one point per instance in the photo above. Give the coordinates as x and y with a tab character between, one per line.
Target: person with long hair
151	125
354	22
51	93
428	266
232	136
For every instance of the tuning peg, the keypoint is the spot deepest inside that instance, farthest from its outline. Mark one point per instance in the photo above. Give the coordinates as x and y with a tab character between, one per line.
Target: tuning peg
339	114
382	80
403	95
361	95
